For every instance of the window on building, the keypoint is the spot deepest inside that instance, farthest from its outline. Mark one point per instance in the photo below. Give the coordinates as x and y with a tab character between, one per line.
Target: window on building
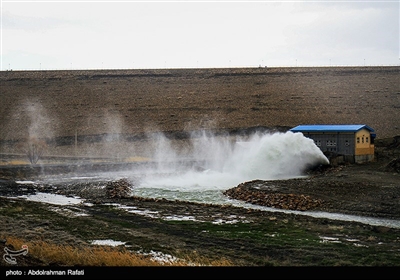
318	143
358	139
330	143
347	143
362	139
366	139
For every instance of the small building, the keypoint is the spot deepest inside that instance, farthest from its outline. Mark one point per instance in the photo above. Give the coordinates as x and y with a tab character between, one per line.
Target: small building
355	141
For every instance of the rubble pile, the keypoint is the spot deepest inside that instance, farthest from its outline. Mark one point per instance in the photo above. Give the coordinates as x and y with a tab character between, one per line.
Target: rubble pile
274	199
119	188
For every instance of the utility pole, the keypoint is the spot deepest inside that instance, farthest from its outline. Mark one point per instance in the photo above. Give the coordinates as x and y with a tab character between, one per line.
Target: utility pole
76	141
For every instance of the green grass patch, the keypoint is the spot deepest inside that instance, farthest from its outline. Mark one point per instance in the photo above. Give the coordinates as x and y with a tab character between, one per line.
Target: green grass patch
268	233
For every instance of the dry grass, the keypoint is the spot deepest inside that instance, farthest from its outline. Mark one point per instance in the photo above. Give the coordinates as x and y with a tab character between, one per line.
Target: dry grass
66	255
14	162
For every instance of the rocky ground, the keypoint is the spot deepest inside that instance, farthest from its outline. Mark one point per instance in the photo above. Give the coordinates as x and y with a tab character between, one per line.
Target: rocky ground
223	231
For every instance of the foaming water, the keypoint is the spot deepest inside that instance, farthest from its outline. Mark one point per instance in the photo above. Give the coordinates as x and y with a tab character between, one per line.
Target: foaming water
224	163
214	164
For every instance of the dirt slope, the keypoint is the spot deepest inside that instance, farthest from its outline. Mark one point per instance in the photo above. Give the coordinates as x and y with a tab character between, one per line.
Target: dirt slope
65	103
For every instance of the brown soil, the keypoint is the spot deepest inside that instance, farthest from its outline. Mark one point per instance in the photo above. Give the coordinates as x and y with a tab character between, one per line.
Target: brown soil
137	101
82	107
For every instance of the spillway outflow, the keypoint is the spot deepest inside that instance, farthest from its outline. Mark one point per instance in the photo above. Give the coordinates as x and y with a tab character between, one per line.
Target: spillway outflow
227	162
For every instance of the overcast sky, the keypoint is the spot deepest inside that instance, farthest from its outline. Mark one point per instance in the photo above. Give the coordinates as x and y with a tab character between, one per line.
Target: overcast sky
197	34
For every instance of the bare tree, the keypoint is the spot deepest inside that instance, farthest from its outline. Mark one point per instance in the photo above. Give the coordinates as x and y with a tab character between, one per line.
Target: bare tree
33	148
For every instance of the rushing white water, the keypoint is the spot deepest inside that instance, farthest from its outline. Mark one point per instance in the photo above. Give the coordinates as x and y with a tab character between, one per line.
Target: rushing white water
223	163
226	162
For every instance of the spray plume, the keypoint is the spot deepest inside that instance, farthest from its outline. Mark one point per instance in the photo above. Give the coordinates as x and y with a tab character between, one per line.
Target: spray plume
226	162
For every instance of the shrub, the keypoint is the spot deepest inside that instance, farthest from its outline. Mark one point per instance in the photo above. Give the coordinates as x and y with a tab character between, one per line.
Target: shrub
34	148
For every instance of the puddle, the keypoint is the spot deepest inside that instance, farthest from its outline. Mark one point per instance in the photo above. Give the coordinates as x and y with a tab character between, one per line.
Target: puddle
107	242
52	198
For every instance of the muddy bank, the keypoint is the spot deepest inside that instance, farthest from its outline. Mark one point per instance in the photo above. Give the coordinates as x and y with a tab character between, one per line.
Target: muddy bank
247	237
244	236
340	192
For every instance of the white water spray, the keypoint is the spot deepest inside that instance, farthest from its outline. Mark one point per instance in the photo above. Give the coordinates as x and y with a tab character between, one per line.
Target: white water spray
227	162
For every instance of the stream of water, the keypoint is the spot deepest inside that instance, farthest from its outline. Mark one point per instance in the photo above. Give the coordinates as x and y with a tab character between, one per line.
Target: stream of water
223	164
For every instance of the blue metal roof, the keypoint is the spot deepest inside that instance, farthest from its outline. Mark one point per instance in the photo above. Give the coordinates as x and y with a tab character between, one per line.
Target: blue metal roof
330	128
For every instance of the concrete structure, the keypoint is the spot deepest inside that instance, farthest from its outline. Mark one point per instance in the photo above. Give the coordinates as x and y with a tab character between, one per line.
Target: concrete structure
355	142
